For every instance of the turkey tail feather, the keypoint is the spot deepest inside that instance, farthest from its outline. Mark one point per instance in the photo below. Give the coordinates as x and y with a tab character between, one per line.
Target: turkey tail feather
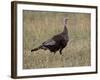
35	49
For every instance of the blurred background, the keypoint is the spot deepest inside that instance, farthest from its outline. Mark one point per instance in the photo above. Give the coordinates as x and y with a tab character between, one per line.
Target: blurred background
40	26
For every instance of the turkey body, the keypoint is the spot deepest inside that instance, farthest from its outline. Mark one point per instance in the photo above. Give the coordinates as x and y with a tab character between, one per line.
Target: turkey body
56	43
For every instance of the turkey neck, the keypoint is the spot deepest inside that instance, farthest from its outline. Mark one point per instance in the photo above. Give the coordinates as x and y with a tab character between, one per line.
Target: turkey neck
65	30
65	33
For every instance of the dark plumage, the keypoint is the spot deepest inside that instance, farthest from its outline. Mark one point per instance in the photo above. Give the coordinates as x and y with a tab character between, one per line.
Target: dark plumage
57	42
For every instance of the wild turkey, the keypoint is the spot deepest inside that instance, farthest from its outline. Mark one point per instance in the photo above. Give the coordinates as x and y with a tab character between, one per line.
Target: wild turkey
57	42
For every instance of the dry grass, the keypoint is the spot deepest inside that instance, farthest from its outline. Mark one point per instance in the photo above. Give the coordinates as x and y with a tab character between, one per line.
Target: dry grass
40	26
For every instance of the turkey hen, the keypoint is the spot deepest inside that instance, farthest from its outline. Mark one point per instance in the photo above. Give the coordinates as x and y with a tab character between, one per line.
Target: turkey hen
57	42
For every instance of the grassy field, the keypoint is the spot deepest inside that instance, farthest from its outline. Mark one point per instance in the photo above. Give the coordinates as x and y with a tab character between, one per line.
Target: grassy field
40	26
